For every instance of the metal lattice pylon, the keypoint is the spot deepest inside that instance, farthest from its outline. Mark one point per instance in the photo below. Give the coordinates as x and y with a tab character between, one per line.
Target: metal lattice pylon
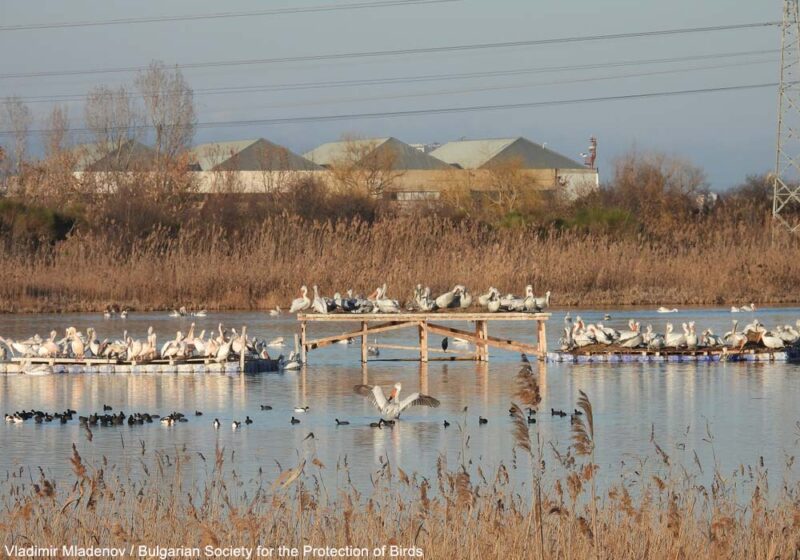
786	180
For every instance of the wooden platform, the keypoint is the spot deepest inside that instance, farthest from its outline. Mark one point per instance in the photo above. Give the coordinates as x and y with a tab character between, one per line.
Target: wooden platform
376	323
44	366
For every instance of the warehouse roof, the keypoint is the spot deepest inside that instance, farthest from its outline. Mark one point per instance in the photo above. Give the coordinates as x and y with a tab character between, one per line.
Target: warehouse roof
474	154
101	156
248	155
402	156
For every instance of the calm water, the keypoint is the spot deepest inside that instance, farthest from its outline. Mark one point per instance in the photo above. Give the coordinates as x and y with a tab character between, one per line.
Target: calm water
751	409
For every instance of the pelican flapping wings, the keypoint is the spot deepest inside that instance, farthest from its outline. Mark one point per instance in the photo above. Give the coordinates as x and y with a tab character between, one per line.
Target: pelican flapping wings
391	407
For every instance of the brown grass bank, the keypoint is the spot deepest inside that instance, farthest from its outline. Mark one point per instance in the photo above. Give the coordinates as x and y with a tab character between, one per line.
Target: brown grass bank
265	266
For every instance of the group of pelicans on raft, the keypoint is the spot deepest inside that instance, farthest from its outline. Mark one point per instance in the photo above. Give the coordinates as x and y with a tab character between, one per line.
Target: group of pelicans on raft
421	300
577	334
219	347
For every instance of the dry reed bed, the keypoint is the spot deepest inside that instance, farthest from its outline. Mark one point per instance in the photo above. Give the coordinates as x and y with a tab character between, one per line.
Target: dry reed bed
524	510
266	267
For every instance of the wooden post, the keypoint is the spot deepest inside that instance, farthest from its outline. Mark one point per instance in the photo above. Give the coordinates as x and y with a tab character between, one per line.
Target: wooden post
364	342
484	336
478	345
423	341
303	342
541	335
244	349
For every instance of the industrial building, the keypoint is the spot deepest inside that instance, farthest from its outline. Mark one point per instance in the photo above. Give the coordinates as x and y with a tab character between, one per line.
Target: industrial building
256	165
104	157
402	172
373	152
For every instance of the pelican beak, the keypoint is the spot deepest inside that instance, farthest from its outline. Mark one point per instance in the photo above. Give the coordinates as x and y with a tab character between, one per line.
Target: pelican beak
392	395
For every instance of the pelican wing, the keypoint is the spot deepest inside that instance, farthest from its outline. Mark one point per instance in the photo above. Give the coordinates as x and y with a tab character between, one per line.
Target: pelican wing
415	399
374	392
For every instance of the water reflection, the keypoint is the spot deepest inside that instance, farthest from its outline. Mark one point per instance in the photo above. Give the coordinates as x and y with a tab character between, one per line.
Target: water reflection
745	406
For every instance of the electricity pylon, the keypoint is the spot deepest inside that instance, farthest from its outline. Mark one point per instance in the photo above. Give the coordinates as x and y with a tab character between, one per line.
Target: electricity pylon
786	180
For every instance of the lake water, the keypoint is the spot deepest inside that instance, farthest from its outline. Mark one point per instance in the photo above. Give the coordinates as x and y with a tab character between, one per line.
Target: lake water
750	408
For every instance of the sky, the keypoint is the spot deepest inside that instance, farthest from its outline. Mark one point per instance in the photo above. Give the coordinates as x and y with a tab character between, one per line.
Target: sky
729	134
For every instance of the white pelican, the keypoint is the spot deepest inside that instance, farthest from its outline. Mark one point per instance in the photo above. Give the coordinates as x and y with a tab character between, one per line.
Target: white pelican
493	305
391	408
748	308
275	312
673	340
599	335
384	304
223	352
483	299
276	342
543	302
663	309
735	309
201	313
529	301
318	304
76	343
302	303
446	299
171	348
464	297
771	341
691	336
123	314
733	338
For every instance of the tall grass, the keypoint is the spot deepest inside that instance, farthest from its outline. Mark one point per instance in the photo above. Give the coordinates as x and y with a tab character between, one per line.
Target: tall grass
264	267
464	513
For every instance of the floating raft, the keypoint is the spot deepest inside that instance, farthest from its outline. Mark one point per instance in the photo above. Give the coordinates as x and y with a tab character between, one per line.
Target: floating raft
612	354
192	366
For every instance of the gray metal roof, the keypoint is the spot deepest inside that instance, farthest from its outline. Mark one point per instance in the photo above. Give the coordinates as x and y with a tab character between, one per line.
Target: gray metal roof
403	156
248	155
100	156
475	154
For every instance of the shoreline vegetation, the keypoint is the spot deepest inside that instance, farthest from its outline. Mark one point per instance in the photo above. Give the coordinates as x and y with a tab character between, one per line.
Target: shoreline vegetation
200	268
141	233
181	499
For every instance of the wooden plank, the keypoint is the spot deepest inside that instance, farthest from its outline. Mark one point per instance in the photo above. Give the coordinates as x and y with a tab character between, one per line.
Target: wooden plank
510	345
443	316
384	327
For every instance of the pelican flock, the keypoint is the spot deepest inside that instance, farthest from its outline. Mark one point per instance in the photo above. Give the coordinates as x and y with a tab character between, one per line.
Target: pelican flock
221	345
459	297
578	334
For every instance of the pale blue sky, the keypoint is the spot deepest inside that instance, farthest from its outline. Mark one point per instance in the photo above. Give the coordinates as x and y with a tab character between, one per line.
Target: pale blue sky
729	134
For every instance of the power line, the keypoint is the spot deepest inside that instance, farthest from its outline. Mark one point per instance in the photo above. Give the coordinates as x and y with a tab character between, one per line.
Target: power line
509	87
328	84
441	110
400	52
223	15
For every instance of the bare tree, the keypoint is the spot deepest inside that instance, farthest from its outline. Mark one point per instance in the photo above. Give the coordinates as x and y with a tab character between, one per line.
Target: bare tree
169	109
57	127
510	189
18	119
273	168
365	167
112	118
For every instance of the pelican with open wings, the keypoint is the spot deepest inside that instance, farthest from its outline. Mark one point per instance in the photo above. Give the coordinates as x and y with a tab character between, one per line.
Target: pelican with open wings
391	408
